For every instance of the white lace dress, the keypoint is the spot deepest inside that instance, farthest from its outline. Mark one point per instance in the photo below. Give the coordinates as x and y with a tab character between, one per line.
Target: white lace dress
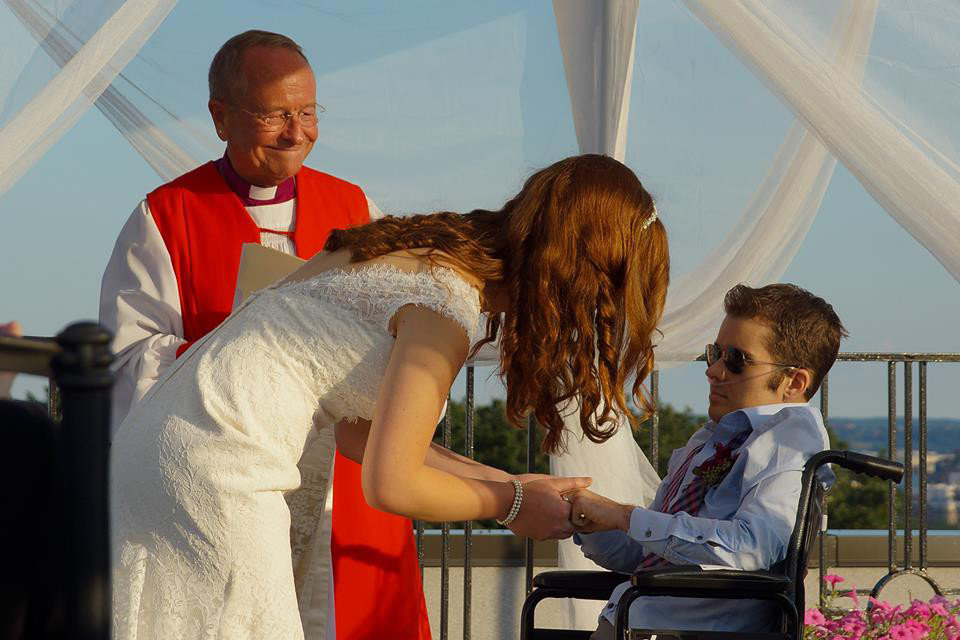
236	441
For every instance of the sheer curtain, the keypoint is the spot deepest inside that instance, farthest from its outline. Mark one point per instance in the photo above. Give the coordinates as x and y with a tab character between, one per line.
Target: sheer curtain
598	41
760	246
908	173
598	57
85	70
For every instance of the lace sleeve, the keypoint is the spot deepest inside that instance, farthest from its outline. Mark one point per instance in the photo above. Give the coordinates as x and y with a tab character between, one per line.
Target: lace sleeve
376	292
441	290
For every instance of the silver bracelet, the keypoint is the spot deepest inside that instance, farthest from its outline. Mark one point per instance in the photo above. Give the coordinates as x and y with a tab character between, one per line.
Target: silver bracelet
515	508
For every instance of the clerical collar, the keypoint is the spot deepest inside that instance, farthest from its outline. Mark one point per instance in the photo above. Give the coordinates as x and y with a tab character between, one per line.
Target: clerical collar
250	194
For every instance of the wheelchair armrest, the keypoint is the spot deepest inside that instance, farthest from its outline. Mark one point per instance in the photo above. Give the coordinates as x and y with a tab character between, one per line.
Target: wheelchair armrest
731	583
577	582
860	463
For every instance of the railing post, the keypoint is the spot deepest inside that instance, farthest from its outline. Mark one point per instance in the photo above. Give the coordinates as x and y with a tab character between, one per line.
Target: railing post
825	412
445	544
923	465
892	454
655	421
468	526
528	543
907	465
82	373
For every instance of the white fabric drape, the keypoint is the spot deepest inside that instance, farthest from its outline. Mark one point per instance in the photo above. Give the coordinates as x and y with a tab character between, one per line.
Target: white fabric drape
83	76
760	246
907	175
598	40
757	250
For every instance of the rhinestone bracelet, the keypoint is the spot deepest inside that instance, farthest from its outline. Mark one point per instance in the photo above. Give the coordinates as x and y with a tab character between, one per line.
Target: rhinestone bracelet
515	508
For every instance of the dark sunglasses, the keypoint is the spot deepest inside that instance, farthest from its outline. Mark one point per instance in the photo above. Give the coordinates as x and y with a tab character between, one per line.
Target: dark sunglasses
734	359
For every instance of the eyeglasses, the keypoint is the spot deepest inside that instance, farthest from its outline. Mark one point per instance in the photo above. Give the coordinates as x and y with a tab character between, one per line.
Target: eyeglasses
734	359
307	117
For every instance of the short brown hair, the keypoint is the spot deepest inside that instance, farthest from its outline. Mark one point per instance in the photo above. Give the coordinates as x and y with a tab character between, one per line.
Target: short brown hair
804	330
225	78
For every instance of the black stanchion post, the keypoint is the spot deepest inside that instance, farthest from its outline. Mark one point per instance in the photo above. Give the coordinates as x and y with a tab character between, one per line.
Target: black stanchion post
83	376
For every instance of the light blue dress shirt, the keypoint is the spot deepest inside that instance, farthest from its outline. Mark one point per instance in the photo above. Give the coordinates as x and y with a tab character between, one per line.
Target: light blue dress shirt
745	521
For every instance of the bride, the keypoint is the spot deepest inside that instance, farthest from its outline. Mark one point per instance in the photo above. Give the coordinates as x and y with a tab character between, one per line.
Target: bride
358	349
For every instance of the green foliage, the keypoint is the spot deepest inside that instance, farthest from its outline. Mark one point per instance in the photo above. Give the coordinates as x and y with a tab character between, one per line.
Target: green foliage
675	428
855	501
496	442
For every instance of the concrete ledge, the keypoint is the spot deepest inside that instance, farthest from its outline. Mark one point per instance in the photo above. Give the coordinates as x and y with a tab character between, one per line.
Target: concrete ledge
842	550
872	551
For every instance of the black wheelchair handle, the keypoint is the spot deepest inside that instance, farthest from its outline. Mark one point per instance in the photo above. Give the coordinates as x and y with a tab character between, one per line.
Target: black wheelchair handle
860	463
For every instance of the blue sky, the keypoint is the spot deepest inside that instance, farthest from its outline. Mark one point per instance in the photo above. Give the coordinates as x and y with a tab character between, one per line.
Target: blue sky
450	105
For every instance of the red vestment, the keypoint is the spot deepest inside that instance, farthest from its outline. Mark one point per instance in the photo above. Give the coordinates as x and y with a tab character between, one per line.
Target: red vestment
204	225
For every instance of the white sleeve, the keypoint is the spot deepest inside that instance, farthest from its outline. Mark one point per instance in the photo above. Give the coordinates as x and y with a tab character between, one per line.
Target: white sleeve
140	304
373	209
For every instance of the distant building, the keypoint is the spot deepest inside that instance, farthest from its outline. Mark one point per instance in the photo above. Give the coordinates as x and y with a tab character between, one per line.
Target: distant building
942	501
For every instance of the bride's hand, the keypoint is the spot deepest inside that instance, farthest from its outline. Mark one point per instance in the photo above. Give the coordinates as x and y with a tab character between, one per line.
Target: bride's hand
544	514
524	478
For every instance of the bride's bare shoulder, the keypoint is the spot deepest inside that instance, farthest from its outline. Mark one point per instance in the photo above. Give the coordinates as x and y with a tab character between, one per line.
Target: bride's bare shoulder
425	259
414	260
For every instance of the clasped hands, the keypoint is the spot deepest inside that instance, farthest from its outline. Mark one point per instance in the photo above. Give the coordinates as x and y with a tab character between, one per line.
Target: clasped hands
591	512
555	508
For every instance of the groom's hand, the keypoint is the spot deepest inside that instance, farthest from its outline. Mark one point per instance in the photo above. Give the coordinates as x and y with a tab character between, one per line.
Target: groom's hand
544	515
592	512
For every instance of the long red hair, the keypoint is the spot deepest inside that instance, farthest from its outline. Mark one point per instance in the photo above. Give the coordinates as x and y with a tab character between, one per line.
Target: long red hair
585	272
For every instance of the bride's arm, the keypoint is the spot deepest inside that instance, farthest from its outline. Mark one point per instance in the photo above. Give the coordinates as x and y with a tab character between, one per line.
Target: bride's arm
352	439
428	352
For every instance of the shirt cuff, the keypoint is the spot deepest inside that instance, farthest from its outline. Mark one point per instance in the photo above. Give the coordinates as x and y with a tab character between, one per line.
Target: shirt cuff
648	526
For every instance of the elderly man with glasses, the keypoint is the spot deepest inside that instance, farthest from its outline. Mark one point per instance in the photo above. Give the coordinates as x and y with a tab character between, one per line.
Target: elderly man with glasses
171	280
730	494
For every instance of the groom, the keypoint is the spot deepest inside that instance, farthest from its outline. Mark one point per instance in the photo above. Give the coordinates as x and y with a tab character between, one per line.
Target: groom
730	495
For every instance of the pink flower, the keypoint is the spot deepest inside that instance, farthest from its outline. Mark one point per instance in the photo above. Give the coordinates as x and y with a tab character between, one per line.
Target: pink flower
939	609
919	609
852	594
920	629
832	579
853	626
902	632
814	617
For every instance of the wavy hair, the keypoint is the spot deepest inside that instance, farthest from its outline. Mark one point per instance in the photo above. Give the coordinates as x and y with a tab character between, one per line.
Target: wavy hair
585	274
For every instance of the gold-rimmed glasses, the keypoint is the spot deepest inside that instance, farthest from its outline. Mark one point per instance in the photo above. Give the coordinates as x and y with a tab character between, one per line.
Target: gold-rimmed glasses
277	120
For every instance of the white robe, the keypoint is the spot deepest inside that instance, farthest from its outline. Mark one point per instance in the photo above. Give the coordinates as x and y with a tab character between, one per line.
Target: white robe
140	299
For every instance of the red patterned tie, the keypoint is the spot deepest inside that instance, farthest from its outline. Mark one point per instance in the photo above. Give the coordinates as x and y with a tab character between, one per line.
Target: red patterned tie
692	497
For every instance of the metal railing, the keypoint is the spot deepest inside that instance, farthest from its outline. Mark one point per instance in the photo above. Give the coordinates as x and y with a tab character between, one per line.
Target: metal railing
74	598
894	571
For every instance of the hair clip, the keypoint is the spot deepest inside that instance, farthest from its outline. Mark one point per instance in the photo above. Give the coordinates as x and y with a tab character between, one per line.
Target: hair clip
649	221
